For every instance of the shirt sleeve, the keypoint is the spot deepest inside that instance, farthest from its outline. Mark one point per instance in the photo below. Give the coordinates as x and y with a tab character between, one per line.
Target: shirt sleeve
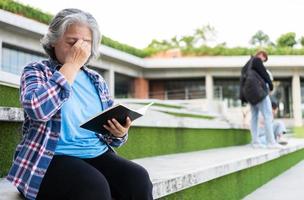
42	96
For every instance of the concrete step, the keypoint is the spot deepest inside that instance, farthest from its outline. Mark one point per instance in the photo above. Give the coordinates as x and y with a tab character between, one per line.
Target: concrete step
173	173
11	114
288	185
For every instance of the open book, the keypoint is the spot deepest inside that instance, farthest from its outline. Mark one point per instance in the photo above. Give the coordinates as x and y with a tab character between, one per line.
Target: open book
120	112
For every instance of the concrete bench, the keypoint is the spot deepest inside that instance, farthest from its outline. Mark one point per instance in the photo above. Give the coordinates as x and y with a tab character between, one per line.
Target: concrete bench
173	173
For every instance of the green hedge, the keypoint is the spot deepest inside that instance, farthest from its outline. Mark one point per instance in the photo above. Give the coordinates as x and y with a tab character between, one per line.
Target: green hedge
150	141
239	184
9	96
124	47
236	51
25	10
10	135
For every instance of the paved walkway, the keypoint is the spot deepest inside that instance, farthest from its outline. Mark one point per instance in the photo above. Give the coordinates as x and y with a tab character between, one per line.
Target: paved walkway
287	186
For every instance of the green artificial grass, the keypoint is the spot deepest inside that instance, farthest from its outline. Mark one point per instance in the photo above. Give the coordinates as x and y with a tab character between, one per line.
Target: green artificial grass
237	185
142	142
9	96
10	135
298	132
163	105
188	115
151	141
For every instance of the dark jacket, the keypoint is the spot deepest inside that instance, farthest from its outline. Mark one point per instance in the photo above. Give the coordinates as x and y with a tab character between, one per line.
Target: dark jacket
259	67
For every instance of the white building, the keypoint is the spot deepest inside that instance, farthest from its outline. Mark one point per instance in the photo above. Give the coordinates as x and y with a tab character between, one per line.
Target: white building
174	78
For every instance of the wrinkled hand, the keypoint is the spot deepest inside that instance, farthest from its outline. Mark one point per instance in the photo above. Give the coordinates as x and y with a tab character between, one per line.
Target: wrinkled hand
75	59
79	53
116	128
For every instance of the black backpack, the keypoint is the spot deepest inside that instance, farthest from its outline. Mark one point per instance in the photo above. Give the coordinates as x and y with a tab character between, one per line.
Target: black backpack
253	87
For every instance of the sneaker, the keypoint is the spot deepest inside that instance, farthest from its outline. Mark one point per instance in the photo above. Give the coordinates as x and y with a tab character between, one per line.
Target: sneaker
274	146
282	141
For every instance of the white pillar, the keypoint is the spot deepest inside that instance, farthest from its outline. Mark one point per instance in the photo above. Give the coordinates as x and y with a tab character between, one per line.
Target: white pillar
209	87
109	76
296	99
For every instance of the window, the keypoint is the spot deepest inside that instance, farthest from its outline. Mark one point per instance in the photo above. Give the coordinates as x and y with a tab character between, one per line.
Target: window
14	59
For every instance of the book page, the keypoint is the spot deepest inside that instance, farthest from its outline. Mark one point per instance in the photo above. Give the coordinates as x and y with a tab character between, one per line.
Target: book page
143	110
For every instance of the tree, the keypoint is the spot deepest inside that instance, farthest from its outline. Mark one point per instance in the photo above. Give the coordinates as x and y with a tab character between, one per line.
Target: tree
175	42
188	41
159	45
260	38
287	40
302	41
204	34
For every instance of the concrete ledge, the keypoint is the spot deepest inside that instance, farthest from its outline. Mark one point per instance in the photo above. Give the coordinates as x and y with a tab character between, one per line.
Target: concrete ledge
154	117
11	114
8	191
173	173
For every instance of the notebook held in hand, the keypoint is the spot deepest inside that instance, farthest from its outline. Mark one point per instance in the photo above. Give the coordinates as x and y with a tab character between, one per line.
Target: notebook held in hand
120	112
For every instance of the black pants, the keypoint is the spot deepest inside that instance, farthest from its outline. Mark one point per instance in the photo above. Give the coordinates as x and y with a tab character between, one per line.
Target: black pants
100	178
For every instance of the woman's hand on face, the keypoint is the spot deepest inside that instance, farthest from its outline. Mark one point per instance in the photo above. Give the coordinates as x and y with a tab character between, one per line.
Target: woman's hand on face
79	54
116	128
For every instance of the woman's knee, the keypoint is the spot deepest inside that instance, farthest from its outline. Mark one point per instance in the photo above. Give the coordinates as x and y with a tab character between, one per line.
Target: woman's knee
142	185
91	186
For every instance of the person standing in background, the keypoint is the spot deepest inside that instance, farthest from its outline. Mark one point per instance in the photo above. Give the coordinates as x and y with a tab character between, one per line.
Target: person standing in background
263	106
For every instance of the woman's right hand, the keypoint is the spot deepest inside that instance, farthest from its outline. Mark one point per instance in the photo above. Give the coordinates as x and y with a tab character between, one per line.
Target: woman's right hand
78	54
76	58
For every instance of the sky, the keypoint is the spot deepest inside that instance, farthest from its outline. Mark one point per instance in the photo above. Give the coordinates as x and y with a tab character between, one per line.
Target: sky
137	22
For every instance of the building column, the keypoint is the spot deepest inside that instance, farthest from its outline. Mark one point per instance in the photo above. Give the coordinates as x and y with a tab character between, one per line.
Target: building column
109	76
209	87
296	99
141	88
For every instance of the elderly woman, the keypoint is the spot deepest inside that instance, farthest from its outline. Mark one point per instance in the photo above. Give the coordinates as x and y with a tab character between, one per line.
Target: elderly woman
57	159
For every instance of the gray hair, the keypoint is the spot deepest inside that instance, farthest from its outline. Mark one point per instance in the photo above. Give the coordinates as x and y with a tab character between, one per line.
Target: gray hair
62	21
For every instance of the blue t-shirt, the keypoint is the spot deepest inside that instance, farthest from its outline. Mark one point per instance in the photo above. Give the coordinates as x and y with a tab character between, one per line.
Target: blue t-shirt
82	104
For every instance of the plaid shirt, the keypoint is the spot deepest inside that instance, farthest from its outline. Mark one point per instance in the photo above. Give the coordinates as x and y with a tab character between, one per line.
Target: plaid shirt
43	90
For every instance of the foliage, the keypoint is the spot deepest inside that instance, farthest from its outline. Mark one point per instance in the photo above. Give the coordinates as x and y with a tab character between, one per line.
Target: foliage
26	11
200	37
287	40
260	38
302	41
123	47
